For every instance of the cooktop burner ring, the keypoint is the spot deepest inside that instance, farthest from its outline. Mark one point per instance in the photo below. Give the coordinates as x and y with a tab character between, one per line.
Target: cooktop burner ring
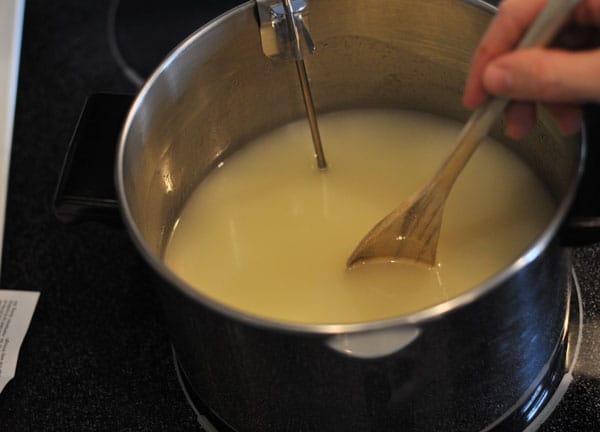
139	42
129	71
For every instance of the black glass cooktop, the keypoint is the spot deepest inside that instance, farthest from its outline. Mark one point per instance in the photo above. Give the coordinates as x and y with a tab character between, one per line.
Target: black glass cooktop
97	355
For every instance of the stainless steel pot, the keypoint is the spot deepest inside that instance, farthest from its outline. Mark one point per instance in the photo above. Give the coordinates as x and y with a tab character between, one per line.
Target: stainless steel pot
461	365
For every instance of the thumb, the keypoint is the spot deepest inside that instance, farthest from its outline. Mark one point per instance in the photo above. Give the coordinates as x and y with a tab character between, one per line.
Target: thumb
546	75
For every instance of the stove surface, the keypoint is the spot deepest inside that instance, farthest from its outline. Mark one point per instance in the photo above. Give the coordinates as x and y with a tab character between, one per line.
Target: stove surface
97	355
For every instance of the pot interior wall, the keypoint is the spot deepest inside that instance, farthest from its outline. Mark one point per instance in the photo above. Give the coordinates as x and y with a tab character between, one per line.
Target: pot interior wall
218	90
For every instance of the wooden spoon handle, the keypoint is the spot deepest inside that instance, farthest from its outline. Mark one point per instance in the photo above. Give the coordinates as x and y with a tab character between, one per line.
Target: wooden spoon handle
540	33
548	23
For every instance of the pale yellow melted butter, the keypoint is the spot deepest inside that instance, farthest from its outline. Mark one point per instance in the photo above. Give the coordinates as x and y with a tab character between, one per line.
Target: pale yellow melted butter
269	234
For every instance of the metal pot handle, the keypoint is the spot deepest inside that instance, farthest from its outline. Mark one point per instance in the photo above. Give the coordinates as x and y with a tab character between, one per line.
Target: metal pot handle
374	344
86	188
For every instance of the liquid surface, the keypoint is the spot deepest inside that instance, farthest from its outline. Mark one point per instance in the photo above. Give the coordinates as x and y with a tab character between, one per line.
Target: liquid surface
269	234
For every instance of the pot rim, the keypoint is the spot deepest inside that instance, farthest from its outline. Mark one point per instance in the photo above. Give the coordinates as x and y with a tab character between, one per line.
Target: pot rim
412	319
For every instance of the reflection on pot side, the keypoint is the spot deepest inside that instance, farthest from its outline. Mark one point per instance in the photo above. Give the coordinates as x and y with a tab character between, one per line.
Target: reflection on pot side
269	234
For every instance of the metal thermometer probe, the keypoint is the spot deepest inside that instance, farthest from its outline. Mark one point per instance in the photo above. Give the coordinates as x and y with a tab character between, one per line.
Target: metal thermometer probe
285	19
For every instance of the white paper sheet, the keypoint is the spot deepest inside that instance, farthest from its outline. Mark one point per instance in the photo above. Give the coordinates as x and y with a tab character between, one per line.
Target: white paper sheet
16	310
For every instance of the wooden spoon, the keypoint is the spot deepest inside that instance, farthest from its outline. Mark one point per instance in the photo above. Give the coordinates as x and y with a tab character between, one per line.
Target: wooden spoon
412	230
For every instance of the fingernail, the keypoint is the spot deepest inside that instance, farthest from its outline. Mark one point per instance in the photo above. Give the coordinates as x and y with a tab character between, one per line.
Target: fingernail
497	80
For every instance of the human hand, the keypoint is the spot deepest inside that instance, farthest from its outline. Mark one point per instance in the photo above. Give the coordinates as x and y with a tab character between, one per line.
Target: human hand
562	79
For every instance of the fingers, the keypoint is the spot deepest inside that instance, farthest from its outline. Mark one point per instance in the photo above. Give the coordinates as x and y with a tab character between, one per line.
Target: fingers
588	13
521	118
504	32
568	117
545	75
562	79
